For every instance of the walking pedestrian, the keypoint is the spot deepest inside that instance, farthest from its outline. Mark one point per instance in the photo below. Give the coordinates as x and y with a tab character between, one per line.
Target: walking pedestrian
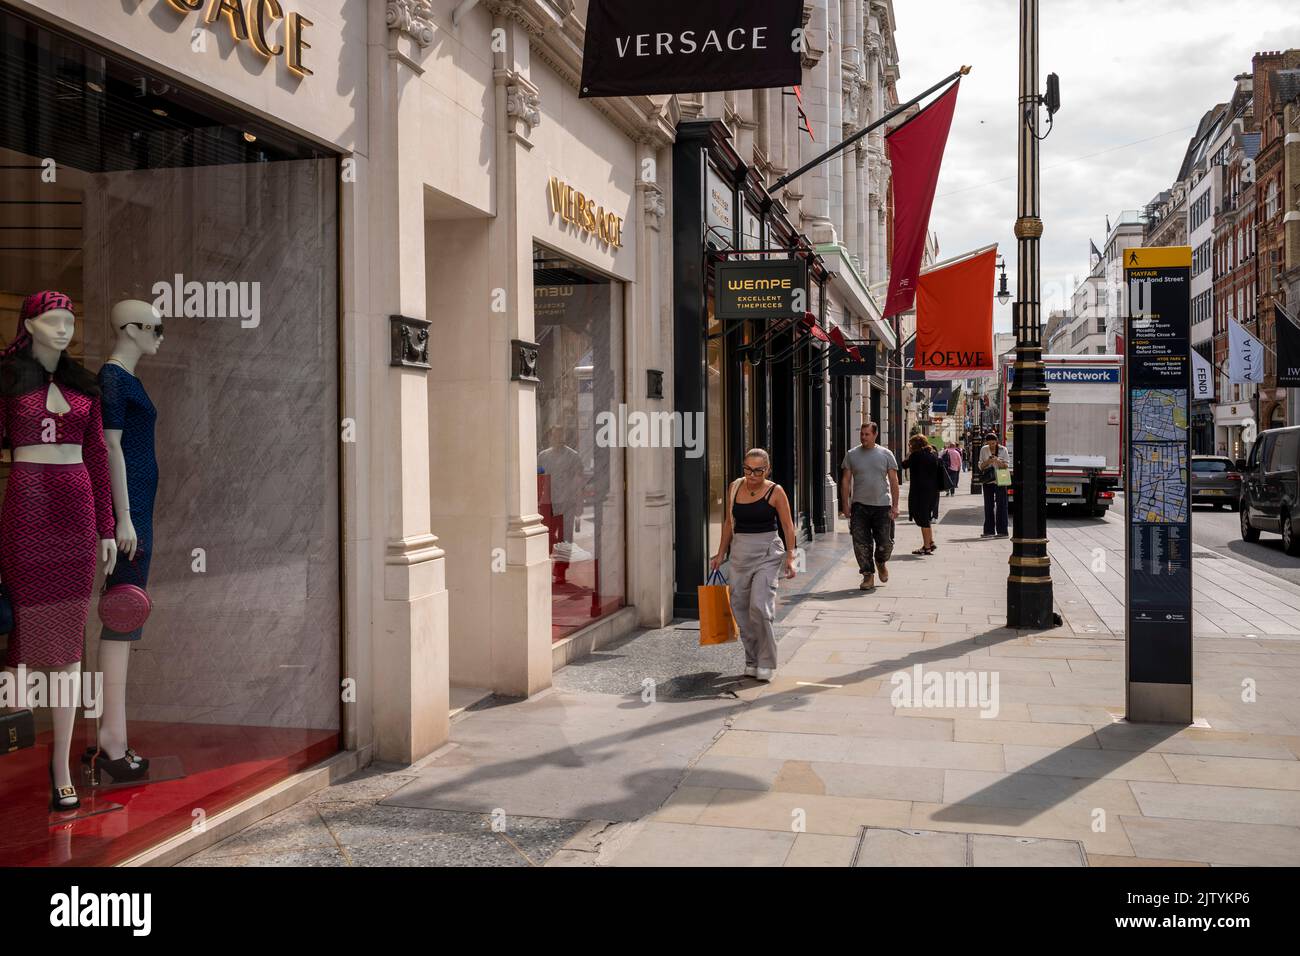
869	499
924	473
992	457
934	460
952	461
759	509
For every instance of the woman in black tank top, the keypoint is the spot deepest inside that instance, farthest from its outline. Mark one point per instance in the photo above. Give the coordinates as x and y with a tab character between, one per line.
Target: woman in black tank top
757	509
754	517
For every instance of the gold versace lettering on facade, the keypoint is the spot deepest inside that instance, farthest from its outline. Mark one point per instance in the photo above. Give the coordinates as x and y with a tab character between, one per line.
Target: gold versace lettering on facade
581	211
257	21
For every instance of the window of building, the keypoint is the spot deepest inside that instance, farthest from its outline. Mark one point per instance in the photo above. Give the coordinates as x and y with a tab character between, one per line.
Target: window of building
228	227
578	316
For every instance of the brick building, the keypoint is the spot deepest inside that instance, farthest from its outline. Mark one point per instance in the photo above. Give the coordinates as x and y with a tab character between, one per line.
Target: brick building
1277	189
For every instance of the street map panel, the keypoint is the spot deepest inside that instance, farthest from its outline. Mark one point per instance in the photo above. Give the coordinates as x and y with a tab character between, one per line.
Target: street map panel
1159	414
1159	483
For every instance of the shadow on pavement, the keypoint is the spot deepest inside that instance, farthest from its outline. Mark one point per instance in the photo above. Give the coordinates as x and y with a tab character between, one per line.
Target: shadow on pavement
1055	771
603	748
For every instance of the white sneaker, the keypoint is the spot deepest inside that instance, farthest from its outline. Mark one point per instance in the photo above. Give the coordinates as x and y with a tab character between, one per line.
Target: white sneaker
751	671
765	674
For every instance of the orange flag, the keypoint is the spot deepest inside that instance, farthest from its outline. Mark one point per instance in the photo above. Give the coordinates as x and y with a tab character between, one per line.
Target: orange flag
954	315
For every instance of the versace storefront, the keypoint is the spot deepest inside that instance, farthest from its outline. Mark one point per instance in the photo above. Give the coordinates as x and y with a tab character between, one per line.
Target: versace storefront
171	404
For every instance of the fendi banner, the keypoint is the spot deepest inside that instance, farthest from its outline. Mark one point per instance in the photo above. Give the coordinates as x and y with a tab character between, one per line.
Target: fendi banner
690	46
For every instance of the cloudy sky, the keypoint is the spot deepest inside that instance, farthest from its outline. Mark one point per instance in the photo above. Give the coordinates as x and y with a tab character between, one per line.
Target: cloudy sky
1136	78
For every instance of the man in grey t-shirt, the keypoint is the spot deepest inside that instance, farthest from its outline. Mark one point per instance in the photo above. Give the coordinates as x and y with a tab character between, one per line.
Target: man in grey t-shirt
869	499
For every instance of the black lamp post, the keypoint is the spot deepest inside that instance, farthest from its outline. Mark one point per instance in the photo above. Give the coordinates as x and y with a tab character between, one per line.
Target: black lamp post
1004	294
1029	580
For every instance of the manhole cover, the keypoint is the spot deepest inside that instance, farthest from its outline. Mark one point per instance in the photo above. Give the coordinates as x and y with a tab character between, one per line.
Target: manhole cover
888	846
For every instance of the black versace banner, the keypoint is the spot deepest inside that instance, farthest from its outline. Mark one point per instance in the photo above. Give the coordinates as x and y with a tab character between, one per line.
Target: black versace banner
1288	350
690	46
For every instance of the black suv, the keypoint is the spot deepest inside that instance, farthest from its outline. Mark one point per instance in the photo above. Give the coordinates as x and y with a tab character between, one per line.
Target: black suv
1269	497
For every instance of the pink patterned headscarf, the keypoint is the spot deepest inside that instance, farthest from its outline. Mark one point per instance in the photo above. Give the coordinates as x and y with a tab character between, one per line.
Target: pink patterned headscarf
38	303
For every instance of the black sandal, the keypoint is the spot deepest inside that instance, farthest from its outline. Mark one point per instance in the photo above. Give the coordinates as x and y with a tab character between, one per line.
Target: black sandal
921	551
931	549
122	770
130	755
59	794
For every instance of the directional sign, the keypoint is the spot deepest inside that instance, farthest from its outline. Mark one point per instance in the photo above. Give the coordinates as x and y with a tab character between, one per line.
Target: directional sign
1158	565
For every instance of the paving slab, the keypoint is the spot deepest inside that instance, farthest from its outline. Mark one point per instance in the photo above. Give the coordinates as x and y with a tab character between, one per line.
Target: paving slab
989	849
1234	844
674	844
1223	804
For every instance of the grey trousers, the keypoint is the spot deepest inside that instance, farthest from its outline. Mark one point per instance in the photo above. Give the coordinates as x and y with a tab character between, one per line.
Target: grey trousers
755	563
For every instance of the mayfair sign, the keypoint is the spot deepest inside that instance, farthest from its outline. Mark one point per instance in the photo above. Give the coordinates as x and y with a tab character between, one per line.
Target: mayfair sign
636	48
581	211
256	21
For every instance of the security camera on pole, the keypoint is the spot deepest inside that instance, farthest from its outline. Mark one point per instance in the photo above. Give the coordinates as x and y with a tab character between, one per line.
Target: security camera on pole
1029	582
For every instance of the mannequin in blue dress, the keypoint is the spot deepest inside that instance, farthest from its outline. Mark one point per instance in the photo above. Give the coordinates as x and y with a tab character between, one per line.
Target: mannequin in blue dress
129	418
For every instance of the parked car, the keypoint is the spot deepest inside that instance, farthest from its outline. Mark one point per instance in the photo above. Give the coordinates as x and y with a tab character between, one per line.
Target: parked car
1216	481
1270	500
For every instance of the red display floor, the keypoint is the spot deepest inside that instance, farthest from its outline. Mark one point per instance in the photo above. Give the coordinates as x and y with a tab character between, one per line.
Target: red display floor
223	765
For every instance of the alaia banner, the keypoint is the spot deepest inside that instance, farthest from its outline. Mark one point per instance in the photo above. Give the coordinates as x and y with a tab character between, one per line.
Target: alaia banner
690	46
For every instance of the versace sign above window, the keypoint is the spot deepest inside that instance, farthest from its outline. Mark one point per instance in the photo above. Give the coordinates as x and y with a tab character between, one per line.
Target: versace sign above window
638	48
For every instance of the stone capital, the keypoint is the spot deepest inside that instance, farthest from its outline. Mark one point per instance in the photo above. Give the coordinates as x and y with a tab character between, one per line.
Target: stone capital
413	18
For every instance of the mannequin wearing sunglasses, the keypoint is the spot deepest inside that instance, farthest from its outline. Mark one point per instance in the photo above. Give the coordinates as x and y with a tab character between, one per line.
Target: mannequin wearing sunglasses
129	418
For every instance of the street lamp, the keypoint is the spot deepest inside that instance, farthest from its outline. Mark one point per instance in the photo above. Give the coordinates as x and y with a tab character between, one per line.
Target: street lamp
1004	294
1029	581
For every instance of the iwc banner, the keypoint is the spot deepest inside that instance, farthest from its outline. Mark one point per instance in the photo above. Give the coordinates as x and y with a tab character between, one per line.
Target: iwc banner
636	48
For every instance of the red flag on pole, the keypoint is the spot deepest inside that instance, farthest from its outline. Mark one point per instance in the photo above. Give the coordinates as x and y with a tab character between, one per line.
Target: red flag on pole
915	153
837	337
954	317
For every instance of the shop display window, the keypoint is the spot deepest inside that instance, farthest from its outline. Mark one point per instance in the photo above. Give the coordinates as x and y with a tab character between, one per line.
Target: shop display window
196	252
582	431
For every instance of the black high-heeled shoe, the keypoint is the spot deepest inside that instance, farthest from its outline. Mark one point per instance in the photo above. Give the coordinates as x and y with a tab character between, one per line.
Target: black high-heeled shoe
89	756
60	794
122	770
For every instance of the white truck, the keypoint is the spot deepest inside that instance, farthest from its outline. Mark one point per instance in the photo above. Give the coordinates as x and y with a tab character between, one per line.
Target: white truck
1085	428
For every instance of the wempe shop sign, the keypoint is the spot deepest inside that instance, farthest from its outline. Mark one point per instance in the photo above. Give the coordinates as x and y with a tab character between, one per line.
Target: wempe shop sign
637	48
774	289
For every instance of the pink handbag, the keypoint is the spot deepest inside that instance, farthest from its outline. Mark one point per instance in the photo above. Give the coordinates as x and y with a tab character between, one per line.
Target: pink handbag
124	607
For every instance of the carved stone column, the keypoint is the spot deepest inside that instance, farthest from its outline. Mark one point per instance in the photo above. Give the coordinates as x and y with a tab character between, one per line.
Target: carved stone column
815	185
519	627
409	646
648	351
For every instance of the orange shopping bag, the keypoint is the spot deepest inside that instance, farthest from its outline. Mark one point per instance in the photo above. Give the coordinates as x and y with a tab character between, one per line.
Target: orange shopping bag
717	624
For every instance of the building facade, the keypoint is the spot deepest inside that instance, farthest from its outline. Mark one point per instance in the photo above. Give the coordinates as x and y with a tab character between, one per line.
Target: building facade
465	288
155	157
1234	265
765	388
1276	189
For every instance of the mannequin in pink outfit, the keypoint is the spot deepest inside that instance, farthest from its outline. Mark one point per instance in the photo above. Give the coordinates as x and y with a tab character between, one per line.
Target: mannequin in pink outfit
58	444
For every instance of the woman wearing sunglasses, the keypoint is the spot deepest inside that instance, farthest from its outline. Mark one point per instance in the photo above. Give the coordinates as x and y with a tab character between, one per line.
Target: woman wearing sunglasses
758	509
